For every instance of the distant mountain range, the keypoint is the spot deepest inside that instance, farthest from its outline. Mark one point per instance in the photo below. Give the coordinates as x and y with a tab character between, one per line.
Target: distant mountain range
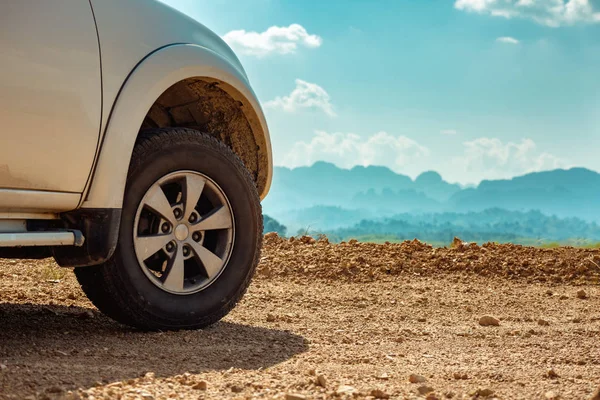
328	197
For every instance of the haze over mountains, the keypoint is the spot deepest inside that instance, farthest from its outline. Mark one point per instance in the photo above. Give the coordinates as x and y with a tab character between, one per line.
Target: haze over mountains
325	197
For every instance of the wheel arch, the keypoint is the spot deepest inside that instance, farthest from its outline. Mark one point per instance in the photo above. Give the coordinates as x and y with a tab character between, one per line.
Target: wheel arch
169	76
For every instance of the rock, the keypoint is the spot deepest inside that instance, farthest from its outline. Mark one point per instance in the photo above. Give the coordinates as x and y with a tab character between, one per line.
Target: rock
488	320
150	376
432	396
551	373
581	294
450	394
551	395
421	319
543	322
271	318
202	385
3	367
295	396
458	375
146	396
549	292
423	390
237	389
379	394
563	297
383	377
485	392
345	389
87	314
414	378
322	381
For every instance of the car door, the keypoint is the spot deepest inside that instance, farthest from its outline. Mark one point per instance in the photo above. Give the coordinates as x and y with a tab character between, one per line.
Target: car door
50	96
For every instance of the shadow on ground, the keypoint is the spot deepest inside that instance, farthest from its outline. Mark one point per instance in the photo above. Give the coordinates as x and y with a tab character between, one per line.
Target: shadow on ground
43	347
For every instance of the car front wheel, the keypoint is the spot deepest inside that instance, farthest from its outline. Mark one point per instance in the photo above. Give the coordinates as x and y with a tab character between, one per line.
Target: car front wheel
189	239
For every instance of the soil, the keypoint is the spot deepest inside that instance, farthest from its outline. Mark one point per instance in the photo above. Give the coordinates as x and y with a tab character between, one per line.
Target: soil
325	321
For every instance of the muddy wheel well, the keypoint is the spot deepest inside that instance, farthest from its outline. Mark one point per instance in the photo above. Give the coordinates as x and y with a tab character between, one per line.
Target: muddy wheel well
214	108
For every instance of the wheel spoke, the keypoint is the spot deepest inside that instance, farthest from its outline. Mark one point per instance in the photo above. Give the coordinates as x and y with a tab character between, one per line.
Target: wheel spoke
220	218
149	245
158	202
175	274
193	190
212	263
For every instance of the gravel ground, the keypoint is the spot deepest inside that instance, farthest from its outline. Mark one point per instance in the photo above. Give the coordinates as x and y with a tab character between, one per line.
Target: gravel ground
326	321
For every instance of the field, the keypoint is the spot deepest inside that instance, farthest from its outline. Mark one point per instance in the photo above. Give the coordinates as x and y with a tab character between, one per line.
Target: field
325	321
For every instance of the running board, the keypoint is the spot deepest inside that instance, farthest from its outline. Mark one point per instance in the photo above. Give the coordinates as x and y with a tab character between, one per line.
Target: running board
46	238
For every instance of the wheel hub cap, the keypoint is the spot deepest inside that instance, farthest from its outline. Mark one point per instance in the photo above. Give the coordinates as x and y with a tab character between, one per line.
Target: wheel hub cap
182	232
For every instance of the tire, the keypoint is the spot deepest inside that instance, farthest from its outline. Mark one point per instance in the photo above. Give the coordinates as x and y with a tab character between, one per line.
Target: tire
148	294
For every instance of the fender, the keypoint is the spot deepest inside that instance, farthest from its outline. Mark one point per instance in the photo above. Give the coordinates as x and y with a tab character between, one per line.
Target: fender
152	77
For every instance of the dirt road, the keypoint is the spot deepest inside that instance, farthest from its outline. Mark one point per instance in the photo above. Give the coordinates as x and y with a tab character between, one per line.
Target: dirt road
326	321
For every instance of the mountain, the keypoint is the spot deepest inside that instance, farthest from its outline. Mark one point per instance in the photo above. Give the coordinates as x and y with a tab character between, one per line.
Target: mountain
566	193
325	184
324	196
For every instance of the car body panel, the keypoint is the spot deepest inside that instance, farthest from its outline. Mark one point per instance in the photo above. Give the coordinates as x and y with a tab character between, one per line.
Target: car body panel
50	100
150	79
146	47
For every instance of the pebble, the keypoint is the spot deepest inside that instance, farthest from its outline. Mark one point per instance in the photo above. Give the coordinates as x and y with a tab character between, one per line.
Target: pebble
485	392
488	320
271	318
202	385
543	322
295	396
321	381
379	394
581	294
423	390
345	389
551	373
458	375
552	395
414	378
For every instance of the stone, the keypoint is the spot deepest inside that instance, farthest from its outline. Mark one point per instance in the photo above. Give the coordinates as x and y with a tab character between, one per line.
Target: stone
414	378
551	373
543	322
322	381
581	294
295	396
379	394
202	385
488	320
345	389
423	390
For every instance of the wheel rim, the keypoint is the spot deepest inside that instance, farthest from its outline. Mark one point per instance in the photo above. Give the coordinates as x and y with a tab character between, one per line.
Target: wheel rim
183	232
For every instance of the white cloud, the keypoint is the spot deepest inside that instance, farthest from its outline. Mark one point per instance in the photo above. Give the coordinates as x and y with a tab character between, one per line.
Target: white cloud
275	40
490	158
552	13
346	150
449	132
305	95
507	40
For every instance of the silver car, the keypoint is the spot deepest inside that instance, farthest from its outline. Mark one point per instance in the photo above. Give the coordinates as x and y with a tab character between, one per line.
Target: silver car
133	149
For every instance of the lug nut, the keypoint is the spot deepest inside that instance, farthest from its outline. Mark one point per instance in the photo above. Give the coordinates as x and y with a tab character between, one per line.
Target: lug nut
196	236
186	251
170	246
165	227
193	218
177	213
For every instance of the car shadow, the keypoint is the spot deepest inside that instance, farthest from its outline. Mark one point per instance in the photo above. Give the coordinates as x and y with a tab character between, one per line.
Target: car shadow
46	346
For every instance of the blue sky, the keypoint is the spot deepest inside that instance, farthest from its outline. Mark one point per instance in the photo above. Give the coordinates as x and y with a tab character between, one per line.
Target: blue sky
473	89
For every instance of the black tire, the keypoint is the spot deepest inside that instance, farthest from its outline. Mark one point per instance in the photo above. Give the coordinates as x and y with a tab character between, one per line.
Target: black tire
120	288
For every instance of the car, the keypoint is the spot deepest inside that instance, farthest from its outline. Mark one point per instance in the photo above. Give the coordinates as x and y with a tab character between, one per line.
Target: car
134	150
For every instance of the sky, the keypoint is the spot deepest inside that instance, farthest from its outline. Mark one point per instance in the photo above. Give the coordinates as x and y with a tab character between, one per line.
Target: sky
472	89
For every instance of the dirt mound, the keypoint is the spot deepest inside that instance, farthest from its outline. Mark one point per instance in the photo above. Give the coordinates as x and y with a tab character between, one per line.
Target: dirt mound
354	261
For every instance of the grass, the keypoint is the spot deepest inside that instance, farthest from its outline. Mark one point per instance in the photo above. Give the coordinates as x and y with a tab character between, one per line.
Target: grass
52	272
